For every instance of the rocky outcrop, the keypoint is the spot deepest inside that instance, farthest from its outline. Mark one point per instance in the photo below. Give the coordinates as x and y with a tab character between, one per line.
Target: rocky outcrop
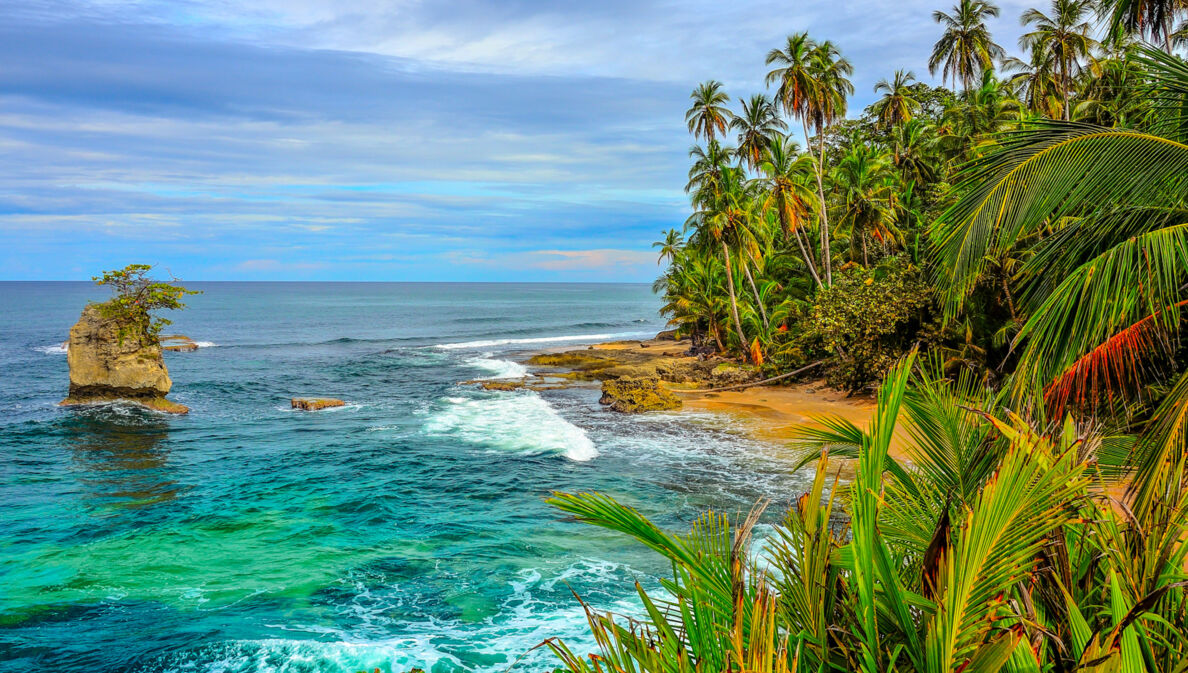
315	403
107	365
634	395
178	342
733	373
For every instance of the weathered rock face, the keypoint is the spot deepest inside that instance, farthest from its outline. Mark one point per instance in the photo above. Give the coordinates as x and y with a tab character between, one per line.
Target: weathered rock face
104	368
634	395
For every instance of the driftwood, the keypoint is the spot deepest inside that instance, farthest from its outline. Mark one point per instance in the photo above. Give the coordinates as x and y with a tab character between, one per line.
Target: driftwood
754	384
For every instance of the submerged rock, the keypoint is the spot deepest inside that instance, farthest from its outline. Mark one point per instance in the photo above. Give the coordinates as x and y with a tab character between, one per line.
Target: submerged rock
106	366
634	395
315	403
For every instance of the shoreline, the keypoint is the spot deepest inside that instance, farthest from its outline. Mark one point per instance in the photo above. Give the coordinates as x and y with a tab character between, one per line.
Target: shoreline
769	413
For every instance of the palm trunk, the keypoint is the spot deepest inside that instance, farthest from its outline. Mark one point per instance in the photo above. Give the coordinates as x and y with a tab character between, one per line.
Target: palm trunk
865	260
742	337
826	254
1064	84
717	332
755	290
808	260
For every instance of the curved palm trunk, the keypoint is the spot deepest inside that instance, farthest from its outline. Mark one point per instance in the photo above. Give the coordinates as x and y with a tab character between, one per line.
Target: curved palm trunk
742	337
803	250
826	256
717	332
755	290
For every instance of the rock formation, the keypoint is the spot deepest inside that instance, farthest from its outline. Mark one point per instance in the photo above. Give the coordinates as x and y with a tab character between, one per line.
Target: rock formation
106	365
315	403
634	395
178	342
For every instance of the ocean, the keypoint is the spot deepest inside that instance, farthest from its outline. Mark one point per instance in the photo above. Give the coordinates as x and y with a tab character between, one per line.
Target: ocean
406	529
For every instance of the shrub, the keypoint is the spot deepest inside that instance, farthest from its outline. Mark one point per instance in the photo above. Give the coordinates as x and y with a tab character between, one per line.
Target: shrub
867	320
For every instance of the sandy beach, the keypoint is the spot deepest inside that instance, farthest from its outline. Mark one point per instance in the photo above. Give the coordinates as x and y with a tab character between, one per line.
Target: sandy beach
769	413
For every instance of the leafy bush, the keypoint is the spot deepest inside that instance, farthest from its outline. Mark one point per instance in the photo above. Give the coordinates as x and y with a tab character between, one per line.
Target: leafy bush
867	320
136	297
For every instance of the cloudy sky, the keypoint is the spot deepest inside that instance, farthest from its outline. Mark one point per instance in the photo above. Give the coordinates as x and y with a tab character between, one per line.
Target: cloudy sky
382	139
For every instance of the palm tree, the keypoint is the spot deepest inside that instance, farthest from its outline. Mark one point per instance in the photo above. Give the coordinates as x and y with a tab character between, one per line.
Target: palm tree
671	246
831	72
785	173
1104	288
1064	36
708	163
965	48
1154	18
724	220
1035	84
798	73
756	126
867	190
708	115
897	105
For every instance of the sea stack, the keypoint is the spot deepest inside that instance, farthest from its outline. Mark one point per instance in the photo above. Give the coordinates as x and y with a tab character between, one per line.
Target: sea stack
106	366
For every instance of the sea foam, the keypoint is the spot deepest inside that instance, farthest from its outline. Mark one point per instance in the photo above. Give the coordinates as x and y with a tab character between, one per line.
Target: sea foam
515	422
52	349
498	369
60	348
541	340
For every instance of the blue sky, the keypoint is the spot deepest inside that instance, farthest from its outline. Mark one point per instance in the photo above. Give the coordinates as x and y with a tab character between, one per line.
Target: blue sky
382	140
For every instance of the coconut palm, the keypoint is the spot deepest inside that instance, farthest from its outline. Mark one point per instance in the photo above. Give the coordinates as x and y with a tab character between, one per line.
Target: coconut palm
1035	83
867	191
896	106
756	126
1104	287
671	246
1063	35
966	48
708	163
708	116
831	73
785	176
724	220
1149	18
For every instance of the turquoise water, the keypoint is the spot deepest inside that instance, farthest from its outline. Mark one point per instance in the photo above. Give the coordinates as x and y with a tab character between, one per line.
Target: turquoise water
405	529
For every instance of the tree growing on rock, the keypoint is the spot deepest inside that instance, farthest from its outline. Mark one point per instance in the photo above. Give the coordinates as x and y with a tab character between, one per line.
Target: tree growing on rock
136	296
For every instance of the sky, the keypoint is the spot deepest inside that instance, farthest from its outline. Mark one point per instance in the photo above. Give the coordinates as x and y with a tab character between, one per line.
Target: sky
445	140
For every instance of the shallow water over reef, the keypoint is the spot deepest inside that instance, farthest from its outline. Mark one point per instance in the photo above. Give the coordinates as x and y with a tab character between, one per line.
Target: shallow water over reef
405	529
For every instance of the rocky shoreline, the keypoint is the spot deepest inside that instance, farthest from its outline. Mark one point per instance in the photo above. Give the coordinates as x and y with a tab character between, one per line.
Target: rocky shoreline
636	376
660	375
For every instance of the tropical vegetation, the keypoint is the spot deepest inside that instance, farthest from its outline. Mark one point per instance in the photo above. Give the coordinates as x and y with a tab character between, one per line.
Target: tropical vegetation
1006	266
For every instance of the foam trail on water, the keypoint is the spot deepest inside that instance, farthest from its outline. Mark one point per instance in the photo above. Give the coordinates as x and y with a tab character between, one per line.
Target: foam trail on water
542	340
60	348
516	422
498	369
53	349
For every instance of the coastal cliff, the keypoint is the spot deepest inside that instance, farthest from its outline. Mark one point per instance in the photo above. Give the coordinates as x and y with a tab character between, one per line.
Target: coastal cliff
107	364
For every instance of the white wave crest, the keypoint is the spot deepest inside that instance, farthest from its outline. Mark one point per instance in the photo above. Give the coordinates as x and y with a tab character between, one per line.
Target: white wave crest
541	340
53	349
61	349
498	369
517	422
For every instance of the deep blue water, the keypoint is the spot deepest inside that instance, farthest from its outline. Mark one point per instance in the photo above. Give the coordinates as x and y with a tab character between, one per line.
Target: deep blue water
405	529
